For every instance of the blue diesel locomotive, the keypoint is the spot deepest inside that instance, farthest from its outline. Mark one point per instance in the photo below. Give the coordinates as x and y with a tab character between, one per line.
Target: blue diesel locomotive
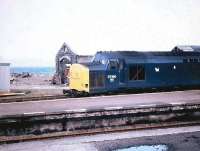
112	71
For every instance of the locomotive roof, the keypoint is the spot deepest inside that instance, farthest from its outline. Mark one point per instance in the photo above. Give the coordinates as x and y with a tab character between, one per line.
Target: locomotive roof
176	51
95	66
176	55
188	48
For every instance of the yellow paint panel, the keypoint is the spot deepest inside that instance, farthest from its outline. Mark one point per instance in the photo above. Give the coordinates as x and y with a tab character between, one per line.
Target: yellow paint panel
79	77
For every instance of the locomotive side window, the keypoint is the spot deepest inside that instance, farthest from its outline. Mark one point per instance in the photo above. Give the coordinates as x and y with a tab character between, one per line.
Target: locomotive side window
133	72
191	60
121	65
195	60
185	60
137	72
96	79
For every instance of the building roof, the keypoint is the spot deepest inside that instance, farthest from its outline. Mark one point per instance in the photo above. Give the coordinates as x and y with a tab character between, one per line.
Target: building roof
4	64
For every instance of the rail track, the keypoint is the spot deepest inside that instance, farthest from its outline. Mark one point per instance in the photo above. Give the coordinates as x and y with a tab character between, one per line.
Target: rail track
30	98
15	139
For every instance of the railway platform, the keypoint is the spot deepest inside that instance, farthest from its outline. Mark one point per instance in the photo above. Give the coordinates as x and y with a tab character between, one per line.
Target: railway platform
100	102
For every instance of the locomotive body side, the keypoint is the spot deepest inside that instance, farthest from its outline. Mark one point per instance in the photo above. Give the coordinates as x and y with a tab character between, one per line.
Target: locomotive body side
124	70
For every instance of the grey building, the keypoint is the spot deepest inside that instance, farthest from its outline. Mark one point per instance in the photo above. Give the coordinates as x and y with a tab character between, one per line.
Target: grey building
64	58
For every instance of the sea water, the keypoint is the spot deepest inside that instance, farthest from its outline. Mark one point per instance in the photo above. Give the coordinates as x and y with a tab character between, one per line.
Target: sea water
33	70
146	148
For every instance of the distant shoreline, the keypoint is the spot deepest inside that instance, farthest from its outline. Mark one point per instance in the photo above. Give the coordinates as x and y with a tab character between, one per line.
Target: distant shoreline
33	70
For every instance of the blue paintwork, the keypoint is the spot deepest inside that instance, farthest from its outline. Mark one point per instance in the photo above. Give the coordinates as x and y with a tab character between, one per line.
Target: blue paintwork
173	71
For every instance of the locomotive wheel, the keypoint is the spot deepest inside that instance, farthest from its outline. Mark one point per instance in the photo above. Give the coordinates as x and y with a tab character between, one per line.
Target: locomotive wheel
85	94
73	93
65	91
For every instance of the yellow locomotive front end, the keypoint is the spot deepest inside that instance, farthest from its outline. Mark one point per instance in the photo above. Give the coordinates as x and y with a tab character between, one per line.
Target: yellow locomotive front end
79	78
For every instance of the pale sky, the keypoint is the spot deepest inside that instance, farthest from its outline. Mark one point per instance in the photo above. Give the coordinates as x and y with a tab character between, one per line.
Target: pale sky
32	31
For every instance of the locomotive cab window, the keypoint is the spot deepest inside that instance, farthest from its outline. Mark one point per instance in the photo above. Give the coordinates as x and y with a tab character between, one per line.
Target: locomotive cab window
121	65
97	80
113	64
136	72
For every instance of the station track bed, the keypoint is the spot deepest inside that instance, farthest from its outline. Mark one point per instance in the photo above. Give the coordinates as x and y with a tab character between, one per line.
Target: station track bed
30	98
30	127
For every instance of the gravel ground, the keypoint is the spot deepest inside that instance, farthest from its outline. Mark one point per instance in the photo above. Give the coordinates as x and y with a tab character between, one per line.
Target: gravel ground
33	79
36	84
175	142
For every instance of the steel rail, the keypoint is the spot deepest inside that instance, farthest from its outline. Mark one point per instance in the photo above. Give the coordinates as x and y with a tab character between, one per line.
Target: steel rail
22	138
31	98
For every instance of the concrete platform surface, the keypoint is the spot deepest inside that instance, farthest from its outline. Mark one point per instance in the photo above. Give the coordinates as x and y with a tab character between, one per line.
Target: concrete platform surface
100	102
176	139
